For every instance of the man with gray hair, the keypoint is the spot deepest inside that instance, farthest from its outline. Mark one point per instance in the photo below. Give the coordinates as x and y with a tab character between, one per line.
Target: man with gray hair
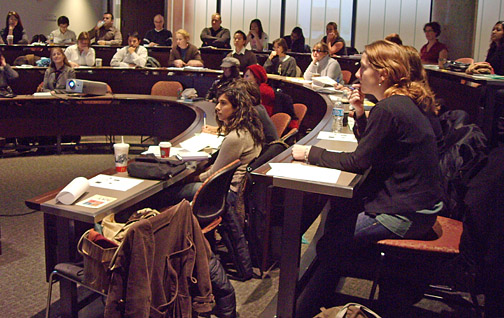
159	35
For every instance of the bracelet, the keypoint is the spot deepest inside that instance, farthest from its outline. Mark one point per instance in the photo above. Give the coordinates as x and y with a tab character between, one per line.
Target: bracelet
306	152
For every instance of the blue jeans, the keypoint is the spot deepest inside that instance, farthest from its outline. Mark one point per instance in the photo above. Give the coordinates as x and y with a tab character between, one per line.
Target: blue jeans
369	230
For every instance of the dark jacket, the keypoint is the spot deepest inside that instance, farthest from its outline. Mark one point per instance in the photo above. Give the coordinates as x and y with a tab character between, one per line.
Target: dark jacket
161	269
192	54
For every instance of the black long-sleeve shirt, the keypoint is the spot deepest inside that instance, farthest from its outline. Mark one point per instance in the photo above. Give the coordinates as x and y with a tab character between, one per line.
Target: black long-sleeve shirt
398	144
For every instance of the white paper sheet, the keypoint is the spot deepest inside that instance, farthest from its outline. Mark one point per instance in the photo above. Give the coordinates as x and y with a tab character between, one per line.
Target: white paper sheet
73	190
113	183
328	135
202	140
304	172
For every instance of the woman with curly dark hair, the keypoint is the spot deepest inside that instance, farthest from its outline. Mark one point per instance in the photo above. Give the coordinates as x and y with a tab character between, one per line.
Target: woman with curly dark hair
239	122
13	33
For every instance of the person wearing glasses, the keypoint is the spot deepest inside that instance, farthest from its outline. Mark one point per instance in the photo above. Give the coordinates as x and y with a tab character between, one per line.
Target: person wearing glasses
13	33
495	55
433	50
322	64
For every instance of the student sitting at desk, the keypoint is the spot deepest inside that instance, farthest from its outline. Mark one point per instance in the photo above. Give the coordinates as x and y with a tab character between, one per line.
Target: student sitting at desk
105	33
246	57
231	71
13	33
184	53
322	64
397	145
278	62
81	53
6	75
62	35
269	130
58	72
159	35
132	55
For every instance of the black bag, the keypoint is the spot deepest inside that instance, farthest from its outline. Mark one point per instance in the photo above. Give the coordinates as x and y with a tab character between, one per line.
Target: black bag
6	92
150	167
456	66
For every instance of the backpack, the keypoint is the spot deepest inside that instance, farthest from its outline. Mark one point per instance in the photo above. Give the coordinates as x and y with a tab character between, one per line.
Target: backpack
463	155
256	222
152	62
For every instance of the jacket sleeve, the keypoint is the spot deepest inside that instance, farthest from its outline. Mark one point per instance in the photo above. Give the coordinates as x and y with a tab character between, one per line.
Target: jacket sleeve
334	71
269	66
222	41
118	58
377	129
90	57
129	292
10	72
290	67
140	57
196	55
308	74
206	37
231	149
117	38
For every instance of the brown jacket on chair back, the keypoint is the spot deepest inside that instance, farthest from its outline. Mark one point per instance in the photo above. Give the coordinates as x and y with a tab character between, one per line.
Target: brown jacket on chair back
161	269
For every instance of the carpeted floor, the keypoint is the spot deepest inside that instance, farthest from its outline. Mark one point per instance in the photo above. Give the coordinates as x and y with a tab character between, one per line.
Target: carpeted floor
23	288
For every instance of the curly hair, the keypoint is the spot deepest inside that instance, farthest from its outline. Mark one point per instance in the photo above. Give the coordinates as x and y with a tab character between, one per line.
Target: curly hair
392	61
418	74
245	117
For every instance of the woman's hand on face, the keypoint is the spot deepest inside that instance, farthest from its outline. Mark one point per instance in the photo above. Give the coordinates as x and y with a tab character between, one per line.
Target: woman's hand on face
356	99
299	152
331	36
272	55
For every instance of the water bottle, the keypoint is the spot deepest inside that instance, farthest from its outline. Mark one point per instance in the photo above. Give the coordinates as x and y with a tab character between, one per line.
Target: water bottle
338	113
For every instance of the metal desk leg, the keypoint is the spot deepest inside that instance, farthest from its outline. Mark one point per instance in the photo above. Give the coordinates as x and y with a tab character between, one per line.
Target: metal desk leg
65	253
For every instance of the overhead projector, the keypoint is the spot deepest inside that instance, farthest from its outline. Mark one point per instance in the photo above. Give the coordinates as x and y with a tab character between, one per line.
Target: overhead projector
86	87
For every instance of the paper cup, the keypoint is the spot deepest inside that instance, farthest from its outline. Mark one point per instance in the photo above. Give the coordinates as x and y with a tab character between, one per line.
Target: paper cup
10	39
98	62
121	156
164	148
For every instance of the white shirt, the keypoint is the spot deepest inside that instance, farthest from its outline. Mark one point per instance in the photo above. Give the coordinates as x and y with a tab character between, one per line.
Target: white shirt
67	37
123	58
84	59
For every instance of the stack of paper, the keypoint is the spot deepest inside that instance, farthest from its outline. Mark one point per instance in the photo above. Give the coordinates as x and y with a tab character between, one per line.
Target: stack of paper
201	141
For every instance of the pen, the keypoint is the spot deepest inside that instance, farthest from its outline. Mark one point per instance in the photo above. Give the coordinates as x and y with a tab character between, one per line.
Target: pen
204	119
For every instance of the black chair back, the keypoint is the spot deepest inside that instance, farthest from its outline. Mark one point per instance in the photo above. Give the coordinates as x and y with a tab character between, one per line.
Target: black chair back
210	200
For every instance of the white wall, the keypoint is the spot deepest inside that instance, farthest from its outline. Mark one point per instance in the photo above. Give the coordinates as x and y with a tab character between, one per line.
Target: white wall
378	18
489	12
40	16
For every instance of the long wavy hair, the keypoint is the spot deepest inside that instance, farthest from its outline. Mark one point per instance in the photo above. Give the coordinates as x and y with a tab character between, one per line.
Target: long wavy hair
65	60
245	117
392	61
418	74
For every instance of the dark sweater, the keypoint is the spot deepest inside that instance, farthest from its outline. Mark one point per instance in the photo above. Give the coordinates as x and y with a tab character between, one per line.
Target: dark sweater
163	37
398	144
246	59
495	57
